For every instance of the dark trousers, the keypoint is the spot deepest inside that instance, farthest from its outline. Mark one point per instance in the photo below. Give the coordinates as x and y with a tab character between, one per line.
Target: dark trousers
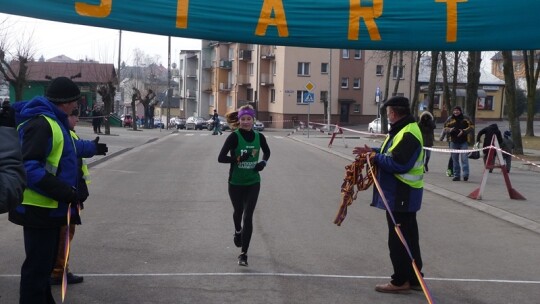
40	246
244	200
403	270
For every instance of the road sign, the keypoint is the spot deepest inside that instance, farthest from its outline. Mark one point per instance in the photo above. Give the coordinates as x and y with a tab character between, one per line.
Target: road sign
309	97
310	86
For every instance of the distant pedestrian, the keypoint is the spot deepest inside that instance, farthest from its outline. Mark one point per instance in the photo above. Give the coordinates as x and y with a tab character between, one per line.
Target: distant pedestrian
217	124
241	149
508	147
459	127
450	167
96	119
427	127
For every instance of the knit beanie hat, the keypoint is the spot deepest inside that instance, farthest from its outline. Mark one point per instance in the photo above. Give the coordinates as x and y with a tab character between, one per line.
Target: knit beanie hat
62	90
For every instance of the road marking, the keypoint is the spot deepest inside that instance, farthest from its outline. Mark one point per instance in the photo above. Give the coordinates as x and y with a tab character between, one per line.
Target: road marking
274	274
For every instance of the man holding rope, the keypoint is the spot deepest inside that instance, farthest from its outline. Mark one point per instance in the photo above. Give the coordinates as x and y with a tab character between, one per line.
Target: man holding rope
399	191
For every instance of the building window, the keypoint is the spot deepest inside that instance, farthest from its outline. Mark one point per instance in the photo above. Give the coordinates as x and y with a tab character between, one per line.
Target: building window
485	103
344	82
356	108
303	69
425	104
356	83
300	97
250	68
324	96
229	101
273	95
379	70
211	101
273	67
324	68
357	54
345	54
396	71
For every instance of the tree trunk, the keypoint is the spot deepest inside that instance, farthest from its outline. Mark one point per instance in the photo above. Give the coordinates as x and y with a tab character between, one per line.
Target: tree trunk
432	79
473	82
531	76
510	94
446	86
399	72
414	103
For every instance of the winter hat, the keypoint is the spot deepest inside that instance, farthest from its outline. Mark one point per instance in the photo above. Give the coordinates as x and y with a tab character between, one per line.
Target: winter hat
396	101
459	108
507	134
62	90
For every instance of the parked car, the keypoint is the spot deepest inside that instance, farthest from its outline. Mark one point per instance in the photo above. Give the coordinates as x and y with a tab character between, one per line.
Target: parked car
158	123
258	125
127	121
179	123
195	123
375	126
222	122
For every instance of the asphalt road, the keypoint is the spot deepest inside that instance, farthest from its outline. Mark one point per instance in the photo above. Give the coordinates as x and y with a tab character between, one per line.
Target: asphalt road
157	228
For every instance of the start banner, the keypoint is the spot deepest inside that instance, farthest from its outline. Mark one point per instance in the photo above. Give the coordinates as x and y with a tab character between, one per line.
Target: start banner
346	24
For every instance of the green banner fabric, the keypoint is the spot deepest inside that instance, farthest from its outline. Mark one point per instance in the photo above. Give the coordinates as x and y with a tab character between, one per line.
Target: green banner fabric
346	24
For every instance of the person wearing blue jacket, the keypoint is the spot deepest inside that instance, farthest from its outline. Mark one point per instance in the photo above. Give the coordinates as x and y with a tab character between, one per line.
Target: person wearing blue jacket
400	174
50	160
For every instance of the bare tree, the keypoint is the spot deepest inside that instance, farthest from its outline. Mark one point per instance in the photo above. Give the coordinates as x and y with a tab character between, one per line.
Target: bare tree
384	119
14	60
107	92
414	102
399	73
510	94
136	96
531	76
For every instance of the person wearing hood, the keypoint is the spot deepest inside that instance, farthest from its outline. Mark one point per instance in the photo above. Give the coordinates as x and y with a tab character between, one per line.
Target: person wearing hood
50	160
400	175
489	132
427	127
458	126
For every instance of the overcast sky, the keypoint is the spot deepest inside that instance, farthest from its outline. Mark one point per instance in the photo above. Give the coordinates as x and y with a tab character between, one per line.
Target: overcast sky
51	39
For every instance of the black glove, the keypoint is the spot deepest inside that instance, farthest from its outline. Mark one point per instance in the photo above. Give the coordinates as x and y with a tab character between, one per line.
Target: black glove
245	156
101	149
72	196
260	166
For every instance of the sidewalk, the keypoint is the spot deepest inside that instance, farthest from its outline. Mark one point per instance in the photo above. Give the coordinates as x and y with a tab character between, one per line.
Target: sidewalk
495	199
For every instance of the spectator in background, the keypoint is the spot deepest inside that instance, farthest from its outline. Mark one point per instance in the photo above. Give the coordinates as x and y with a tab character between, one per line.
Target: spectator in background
427	127
489	132
217	125
450	168
508	147
458	126
7	115
96	119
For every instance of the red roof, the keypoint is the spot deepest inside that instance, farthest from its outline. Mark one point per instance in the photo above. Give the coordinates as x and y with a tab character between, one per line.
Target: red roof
90	72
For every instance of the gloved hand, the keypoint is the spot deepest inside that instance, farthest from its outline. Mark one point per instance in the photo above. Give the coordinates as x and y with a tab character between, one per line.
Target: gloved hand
72	196
245	156
260	166
101	149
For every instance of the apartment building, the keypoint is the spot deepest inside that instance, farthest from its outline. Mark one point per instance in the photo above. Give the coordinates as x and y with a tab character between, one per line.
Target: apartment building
189	86
275	80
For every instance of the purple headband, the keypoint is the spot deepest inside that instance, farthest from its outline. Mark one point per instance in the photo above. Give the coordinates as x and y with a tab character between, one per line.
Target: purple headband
246	111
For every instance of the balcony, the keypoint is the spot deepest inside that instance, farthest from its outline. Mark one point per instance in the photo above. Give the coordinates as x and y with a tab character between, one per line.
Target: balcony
207	64
267	52
245	55
191	94
224	87
267	79
225	64
242	80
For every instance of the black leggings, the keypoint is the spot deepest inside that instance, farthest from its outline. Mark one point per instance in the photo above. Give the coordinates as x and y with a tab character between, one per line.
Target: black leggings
244	200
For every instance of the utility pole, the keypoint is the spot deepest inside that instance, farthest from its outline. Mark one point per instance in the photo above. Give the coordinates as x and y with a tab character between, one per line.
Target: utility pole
118	74
329	103
169	85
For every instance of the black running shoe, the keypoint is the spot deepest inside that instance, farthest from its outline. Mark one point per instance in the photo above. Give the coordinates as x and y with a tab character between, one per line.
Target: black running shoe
242	259
238	239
